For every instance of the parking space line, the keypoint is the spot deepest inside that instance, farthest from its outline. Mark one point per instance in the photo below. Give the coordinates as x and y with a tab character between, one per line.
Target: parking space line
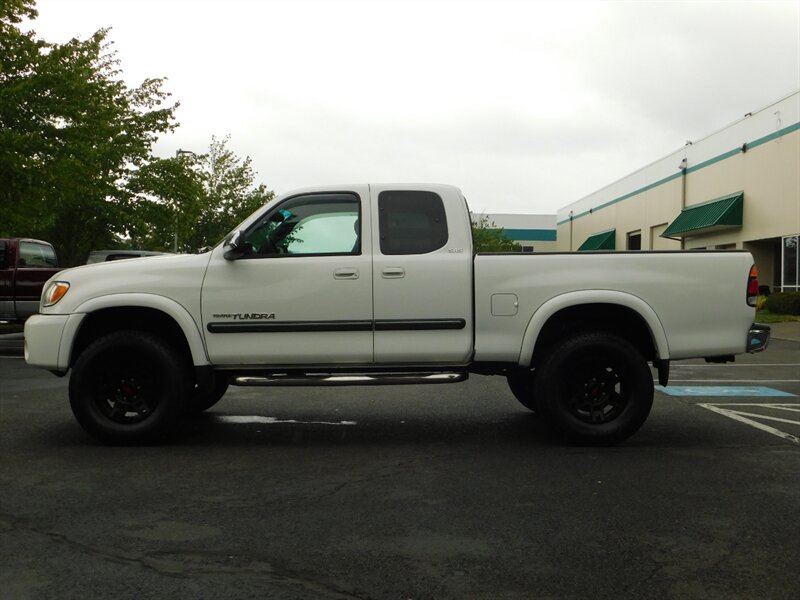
723	390
765	417
749	419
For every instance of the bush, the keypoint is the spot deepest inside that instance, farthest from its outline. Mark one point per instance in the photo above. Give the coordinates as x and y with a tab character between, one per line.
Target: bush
783	303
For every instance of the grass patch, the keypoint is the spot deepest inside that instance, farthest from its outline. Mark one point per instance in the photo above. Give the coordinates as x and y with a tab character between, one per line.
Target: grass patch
766	317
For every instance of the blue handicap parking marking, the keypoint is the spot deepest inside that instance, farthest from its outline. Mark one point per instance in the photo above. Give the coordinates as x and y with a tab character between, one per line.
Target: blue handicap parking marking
739	391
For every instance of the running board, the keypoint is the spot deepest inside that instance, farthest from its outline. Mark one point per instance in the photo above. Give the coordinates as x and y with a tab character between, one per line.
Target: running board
322	379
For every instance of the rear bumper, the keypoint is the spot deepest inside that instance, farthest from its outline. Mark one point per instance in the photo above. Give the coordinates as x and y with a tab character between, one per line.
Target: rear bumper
758	337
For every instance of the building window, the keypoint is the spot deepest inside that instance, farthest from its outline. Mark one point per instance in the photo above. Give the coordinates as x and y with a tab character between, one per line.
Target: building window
527	248
790	262
635	240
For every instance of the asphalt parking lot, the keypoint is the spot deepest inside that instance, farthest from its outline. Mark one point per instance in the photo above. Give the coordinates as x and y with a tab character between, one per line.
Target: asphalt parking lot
451	491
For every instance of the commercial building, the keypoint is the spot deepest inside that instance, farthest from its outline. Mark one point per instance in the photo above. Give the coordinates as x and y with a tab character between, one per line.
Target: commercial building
534	233
738	188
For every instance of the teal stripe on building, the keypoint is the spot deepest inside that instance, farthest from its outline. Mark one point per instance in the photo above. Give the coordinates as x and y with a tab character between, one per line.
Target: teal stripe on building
530	235
693	169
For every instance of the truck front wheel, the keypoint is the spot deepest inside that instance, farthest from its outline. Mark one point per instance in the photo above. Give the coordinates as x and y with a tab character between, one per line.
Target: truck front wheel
594	388
128	387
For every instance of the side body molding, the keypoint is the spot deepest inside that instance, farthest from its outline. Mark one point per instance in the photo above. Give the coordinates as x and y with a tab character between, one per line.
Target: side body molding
583	297
166	305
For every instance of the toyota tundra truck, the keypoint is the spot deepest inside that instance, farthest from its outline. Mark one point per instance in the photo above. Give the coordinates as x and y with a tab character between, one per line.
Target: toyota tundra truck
378	284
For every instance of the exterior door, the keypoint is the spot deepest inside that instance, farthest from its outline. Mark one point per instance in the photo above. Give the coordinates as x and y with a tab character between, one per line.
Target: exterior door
422	275
302	294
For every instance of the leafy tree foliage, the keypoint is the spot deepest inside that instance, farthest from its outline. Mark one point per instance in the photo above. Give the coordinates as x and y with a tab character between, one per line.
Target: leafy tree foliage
72	134
193	200
488	237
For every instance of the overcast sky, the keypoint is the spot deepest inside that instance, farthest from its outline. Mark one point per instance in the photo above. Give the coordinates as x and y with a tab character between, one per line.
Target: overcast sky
526	106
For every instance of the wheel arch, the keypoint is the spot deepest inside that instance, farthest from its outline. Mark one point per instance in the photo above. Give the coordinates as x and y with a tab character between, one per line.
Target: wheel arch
143	312
620	313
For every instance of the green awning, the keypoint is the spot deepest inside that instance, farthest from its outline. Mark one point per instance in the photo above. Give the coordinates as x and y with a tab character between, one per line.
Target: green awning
605	240
722	213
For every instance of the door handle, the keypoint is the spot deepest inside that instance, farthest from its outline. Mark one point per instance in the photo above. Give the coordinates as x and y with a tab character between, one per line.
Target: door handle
347	273
393	273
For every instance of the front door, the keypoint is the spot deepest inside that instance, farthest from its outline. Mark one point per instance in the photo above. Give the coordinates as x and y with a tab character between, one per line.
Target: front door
303	292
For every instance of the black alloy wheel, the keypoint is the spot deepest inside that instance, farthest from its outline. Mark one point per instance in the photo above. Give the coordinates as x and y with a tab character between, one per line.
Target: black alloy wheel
128	387
595	388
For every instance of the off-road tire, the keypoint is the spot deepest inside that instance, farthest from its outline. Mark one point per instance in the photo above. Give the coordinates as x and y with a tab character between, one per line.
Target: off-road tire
594	388
128	387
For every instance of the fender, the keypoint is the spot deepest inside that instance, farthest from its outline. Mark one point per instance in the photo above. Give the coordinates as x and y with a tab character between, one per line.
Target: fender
557	303
166	305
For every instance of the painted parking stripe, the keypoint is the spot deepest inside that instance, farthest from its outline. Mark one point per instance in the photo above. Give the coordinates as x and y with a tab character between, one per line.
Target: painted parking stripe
724	391
733	411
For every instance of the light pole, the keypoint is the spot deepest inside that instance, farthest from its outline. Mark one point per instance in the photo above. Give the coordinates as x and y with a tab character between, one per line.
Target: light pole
178	153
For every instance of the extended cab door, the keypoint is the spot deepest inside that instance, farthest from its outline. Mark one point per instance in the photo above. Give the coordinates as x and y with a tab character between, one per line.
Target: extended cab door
422	273
303	293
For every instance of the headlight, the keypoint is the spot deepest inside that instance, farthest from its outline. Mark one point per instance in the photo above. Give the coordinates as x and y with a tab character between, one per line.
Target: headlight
54	292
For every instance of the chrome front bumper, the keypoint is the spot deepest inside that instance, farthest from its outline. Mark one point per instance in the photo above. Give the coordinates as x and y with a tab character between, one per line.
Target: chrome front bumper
758	338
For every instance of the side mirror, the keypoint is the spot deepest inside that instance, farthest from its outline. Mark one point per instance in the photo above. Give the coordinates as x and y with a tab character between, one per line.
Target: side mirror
236	246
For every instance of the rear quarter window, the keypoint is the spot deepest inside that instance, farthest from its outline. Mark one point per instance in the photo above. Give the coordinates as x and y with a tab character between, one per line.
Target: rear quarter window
411	222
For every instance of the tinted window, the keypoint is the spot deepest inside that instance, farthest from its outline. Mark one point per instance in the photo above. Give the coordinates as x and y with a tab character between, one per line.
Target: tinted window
314	224
36	255
411	222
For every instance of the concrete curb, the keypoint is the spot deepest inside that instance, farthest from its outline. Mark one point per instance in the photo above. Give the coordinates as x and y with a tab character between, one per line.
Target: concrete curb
786	331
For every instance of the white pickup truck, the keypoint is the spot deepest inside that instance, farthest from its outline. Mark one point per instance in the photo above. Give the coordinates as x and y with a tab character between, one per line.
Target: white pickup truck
360	284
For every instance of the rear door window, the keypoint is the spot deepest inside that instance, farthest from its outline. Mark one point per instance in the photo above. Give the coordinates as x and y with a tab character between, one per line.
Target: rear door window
411	222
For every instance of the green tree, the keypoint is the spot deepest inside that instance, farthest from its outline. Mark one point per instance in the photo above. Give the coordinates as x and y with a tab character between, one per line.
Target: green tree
168	196
194	198
488	237
230	191
71	136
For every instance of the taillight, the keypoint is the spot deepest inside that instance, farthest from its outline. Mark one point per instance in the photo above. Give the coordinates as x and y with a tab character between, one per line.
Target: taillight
752	286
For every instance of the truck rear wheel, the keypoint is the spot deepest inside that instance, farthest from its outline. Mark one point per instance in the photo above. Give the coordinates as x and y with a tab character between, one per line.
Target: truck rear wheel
595	388
128	387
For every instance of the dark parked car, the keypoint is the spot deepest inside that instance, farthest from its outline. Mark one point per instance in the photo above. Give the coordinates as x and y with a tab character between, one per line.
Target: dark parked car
25	265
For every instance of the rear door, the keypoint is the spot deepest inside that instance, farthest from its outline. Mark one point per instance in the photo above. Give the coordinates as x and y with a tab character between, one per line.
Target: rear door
422	276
